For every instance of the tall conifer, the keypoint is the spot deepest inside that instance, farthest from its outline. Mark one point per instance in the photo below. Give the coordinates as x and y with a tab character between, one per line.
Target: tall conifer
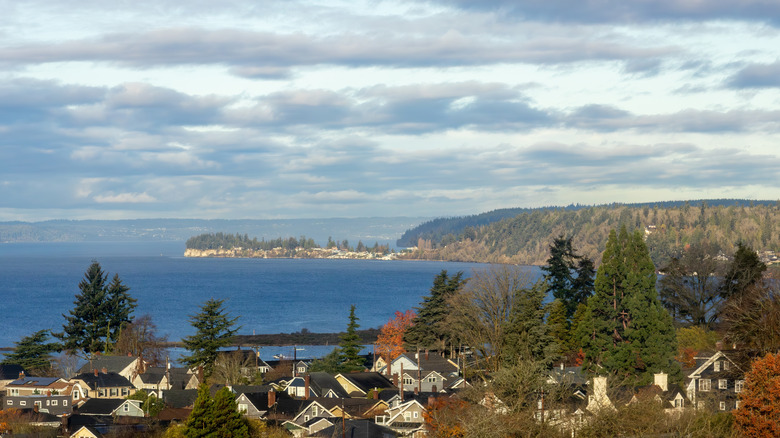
429	329
626	331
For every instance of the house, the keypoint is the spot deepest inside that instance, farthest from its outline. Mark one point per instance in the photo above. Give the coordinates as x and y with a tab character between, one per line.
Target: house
46	394
360	384
255	404
405	419
158	379
672	398
427	371
717	380
180	398
125	366
86	432
355	408
325	385
116	407
103	385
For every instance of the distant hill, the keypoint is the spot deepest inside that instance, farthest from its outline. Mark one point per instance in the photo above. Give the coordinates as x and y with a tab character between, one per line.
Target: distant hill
525	237
382	230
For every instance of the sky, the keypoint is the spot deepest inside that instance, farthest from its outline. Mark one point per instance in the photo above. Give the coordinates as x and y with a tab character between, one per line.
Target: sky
307	109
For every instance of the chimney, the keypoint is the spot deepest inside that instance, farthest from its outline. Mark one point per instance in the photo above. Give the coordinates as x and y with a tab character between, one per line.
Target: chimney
376	393
661	379
21	375
395	380
433	389
426	354
561	365
271	398
48	393
416	391
95	371
431	400
306	390
719	345
104	370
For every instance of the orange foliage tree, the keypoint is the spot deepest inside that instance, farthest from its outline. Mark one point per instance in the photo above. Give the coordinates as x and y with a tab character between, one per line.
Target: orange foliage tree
390	342
443	417
759	412
8	418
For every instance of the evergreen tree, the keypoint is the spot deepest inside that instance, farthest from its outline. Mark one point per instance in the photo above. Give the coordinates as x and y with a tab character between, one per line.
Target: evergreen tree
527	336
350	346
429	329
745	270
568	275
626	331
33	353
200	423
101	311
228	422
560	327
213	331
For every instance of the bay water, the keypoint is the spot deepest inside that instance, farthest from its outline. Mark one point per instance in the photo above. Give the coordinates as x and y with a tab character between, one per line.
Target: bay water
39	281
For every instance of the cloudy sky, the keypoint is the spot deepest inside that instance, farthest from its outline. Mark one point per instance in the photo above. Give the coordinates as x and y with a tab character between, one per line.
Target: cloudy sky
296	109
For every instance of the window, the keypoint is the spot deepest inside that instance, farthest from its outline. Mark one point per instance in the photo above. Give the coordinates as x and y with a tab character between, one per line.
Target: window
716	366
415	414
54	402
22	403
722	406
13	392
102	393
407	416
126	407
10	402
305	418
738	385
432	379
114	392
723	384
704	384
37	403
64	403
125	392
242	408
408	381
725	365
314	411
679	403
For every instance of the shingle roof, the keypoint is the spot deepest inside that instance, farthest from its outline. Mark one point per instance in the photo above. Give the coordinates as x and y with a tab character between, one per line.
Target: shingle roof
367	381
180	398
321	382
100	406
34	381
355	429
110	363
104	380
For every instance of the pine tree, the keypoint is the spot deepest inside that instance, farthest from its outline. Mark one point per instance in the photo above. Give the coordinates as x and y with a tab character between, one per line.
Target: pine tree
429	329
569	276
625	330
560	327
350	346
745	270
228	422
200	423
527	336
213	331
101	311
33	353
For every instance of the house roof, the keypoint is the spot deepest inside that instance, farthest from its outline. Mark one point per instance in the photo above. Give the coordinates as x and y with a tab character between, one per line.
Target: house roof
367	381
171	414
35	381
355	429
321	383
100	406
110	363
104	380
258	399
91	430
180	398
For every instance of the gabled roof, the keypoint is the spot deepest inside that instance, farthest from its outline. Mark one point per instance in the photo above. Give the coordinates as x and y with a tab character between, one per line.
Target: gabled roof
28	381
321	382
258	399
306	405
100	406
104	380
110	363
366	381
180	398
91	429
355	429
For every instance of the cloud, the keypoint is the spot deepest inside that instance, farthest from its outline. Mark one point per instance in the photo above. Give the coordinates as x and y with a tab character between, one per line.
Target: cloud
756	76
124	198
626	12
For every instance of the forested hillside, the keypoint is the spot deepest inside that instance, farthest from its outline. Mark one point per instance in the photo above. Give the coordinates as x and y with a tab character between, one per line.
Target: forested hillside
525	238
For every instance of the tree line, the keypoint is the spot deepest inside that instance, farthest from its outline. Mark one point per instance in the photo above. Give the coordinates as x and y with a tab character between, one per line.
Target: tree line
523	238
222	240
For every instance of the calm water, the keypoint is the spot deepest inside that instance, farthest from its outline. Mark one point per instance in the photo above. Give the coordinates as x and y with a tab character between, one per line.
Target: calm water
38	283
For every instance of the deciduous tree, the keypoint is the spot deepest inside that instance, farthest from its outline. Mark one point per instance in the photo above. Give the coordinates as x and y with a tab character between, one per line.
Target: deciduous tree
214	330
390	342
140	339
759	413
